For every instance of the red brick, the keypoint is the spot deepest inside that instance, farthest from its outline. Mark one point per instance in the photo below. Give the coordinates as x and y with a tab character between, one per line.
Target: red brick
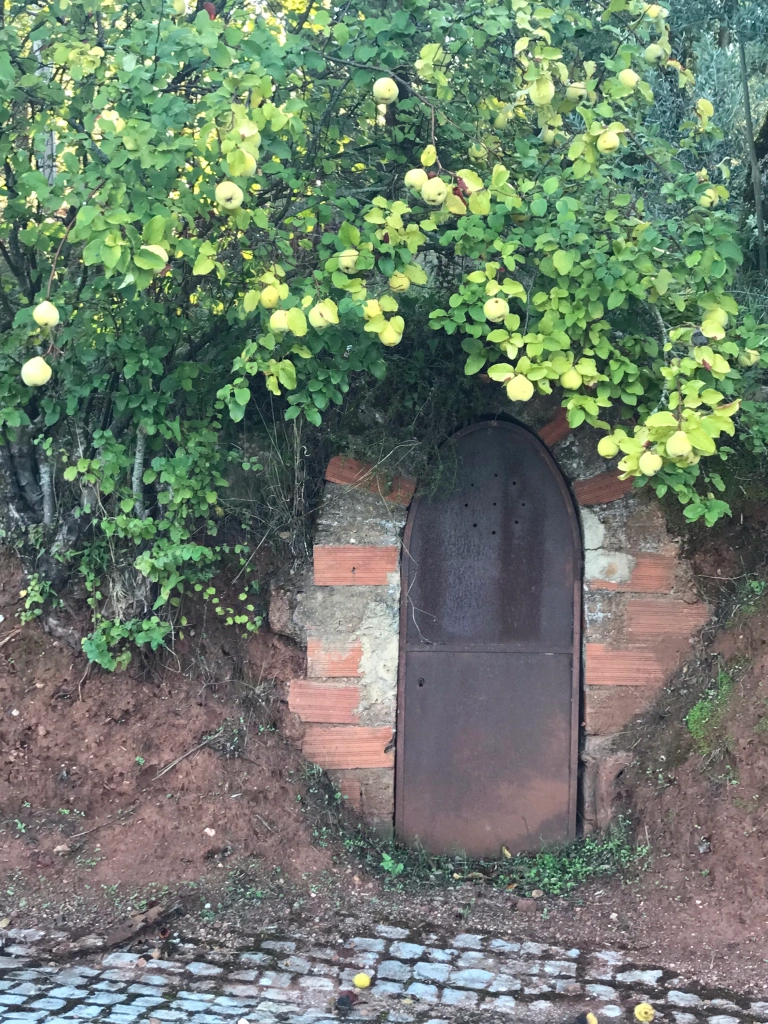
343	470
607	709
600	489
629	666
653	574
654	619
354	565
556	429
339	662
348	746
314	702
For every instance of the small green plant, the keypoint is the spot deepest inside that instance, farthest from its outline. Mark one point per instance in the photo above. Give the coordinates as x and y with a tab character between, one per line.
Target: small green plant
706	714
557	872
35	595
392	867
140	761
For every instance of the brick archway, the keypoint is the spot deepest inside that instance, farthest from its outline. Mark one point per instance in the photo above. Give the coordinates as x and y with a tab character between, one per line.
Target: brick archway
640	613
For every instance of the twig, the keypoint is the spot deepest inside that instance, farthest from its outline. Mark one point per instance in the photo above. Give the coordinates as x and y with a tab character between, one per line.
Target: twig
206	741
82	679
14	632
79	835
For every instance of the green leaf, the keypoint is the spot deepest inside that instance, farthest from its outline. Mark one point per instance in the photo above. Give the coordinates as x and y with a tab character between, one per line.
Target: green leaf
615	299
551	185
501	371
663	281
286	374
563	262
148	260
203	265
475	362
297	324
70	473
539	207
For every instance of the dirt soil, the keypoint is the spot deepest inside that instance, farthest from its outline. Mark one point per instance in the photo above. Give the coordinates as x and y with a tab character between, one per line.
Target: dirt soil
83	754
80	755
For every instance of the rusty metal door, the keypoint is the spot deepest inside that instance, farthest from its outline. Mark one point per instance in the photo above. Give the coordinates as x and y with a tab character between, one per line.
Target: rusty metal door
487	732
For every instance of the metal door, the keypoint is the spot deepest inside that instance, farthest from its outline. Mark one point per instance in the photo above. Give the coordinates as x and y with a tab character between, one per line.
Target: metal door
487	732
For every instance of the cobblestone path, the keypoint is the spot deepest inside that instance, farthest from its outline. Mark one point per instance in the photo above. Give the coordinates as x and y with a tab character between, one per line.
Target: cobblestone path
429	979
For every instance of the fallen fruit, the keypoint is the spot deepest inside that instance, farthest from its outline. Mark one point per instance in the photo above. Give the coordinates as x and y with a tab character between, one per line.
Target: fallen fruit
36	372
45	314
644	1012
385	90
229	196
361	980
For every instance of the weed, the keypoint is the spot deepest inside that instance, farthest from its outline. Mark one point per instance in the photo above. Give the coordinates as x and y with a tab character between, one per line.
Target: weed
556	871
705	717
561	870
140	761
391	866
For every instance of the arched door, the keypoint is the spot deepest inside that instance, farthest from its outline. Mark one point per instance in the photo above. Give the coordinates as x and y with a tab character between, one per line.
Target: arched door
487	737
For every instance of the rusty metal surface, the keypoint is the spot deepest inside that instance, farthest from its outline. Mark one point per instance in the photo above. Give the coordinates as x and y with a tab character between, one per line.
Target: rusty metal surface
488	703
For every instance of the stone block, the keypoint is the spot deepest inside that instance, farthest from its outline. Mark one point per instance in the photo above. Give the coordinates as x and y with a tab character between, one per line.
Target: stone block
609	708
406	950
353	565
652	574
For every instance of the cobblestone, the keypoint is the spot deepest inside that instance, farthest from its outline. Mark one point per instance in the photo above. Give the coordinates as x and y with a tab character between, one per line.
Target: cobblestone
472	978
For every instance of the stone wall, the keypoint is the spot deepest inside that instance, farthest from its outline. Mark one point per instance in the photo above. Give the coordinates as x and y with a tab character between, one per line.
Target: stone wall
640	613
